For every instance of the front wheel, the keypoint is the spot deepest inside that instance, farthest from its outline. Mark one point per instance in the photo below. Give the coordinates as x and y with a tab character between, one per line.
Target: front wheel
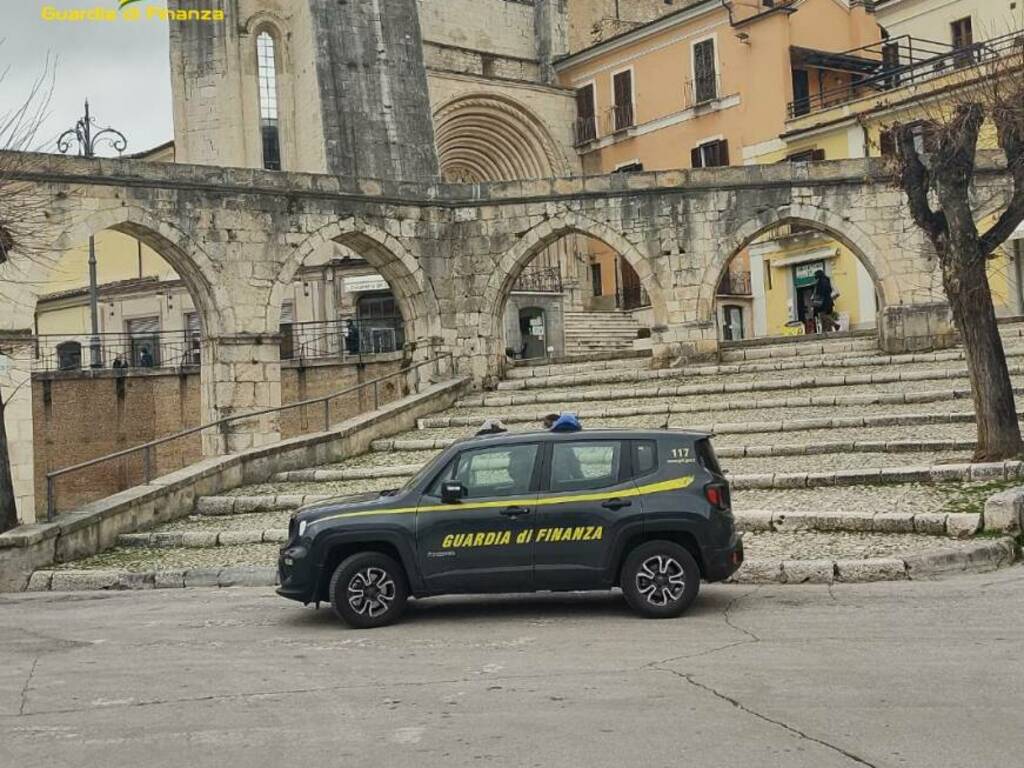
368	590
660	579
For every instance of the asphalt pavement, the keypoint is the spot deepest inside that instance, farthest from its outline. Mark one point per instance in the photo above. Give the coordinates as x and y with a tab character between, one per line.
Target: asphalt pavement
896	674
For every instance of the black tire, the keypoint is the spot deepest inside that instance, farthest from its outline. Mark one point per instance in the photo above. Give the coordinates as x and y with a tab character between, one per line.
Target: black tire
369	589
660	596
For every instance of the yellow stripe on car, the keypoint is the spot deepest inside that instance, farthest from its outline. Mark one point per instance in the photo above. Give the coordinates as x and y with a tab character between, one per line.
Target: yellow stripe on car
674	484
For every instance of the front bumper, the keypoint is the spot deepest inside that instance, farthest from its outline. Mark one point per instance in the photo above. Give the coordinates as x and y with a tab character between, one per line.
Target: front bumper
722	562
296	578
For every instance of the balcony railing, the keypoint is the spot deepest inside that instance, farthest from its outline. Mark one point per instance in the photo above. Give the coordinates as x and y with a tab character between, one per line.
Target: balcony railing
622	117
541	280
161	349
702	90
586	130
735	284
338	339
905	61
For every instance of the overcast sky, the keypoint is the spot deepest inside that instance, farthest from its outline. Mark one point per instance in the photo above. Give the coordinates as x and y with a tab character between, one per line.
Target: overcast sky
121	67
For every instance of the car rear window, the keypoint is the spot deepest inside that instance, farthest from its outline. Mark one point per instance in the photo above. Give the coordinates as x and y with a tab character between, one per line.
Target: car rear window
585	465
706	456
645	457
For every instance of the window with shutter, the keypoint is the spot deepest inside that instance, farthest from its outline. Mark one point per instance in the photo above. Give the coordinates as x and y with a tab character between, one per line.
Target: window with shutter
807	156
586	125
963	41
705	81
622	84
144	341
711	154
193	339
887	143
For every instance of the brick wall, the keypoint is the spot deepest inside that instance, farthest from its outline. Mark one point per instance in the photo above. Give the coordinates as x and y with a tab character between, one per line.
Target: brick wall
82	415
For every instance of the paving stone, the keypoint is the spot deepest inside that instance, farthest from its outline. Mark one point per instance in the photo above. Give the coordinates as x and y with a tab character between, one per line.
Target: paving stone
199	539
754	520
169	579
758	572
166	539
876	569
276	535
134	540
962	525
72	581
242	576
1004	512
202	577
808	571
931	523
988	471
130	580
229	538
939	562
39	581
897	522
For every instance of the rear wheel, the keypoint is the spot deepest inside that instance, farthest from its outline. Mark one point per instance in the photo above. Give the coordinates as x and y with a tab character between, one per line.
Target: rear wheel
660	579
368	589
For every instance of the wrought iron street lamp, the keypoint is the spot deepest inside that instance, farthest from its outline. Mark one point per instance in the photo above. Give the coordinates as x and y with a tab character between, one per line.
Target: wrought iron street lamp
86	136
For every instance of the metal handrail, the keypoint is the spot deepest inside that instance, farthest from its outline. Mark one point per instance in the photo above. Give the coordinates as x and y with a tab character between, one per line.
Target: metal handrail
148	448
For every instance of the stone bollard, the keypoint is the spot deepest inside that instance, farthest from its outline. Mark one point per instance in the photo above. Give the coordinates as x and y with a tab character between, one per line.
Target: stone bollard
1004	512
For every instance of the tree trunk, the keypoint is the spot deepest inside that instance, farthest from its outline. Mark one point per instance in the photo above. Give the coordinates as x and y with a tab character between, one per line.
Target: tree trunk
966	284
8	511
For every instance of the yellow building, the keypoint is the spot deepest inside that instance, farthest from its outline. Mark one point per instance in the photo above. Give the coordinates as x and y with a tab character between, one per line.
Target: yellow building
708	85
930	50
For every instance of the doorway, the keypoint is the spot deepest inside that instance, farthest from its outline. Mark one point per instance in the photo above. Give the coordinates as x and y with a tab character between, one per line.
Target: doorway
533	332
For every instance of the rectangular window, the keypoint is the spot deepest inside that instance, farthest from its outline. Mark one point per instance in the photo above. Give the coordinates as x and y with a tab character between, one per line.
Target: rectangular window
711	154
586	123
585	465
193	338
287	337
807	156
801	92
645	457
963	41
630	168
144	341
705	78
596	284
622	85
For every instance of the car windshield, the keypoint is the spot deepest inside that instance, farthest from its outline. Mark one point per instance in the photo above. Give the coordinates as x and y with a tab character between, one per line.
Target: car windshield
426	470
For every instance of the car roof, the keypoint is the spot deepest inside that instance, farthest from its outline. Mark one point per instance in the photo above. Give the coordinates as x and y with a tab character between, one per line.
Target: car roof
546	435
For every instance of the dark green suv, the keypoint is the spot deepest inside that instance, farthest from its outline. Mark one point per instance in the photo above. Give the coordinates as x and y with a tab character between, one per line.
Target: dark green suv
644	510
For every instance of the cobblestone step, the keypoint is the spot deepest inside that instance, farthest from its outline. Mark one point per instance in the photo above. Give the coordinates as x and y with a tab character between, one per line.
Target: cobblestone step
840	557
772	480
799	349
732	373
583	392
527	371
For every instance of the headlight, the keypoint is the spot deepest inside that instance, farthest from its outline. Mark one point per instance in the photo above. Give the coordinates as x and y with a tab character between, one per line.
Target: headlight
302	528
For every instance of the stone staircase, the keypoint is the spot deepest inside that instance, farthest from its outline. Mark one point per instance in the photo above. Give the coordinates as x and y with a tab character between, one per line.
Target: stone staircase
587	332
845	464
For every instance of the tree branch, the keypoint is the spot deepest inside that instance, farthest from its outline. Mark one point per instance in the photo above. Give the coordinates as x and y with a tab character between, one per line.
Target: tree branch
1008	117
915	179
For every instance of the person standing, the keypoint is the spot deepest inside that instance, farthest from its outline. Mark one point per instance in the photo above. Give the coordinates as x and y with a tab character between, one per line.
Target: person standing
823	302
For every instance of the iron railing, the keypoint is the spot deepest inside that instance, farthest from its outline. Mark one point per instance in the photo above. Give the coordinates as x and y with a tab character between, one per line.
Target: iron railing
906	61
632	297
344	338
702	90
540	280
160	349
148	450
347	337
586	130
735	284
622	117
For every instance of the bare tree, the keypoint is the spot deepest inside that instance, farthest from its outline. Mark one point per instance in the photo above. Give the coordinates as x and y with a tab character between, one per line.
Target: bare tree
935	164
23	238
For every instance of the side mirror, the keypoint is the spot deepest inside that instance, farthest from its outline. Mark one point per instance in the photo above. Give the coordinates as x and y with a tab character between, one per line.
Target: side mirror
452	492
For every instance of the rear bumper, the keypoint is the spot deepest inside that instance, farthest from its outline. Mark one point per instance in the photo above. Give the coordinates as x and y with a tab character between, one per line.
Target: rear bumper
722	562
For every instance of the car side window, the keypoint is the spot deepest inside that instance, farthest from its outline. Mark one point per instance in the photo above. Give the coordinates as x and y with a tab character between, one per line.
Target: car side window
645	457
585	465
501	470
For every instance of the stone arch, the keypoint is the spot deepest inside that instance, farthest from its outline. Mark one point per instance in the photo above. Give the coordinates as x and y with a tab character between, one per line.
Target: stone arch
384	253
485	137
846	232
533	242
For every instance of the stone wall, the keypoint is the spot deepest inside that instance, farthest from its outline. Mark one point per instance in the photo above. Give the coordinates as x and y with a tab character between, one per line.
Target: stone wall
82	415
16	394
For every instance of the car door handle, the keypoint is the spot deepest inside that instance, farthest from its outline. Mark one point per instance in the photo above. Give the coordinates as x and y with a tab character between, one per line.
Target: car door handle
515	511
617	503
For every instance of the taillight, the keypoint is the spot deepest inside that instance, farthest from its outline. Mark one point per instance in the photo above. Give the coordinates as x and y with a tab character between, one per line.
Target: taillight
717	495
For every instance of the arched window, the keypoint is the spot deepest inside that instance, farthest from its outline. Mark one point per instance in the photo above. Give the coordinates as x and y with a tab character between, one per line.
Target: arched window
267	75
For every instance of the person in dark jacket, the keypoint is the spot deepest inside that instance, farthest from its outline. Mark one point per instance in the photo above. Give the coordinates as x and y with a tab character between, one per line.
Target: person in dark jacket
823	302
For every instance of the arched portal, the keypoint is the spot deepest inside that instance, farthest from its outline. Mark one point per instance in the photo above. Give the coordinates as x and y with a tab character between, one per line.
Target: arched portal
514	262
483	137
134	377
762	282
